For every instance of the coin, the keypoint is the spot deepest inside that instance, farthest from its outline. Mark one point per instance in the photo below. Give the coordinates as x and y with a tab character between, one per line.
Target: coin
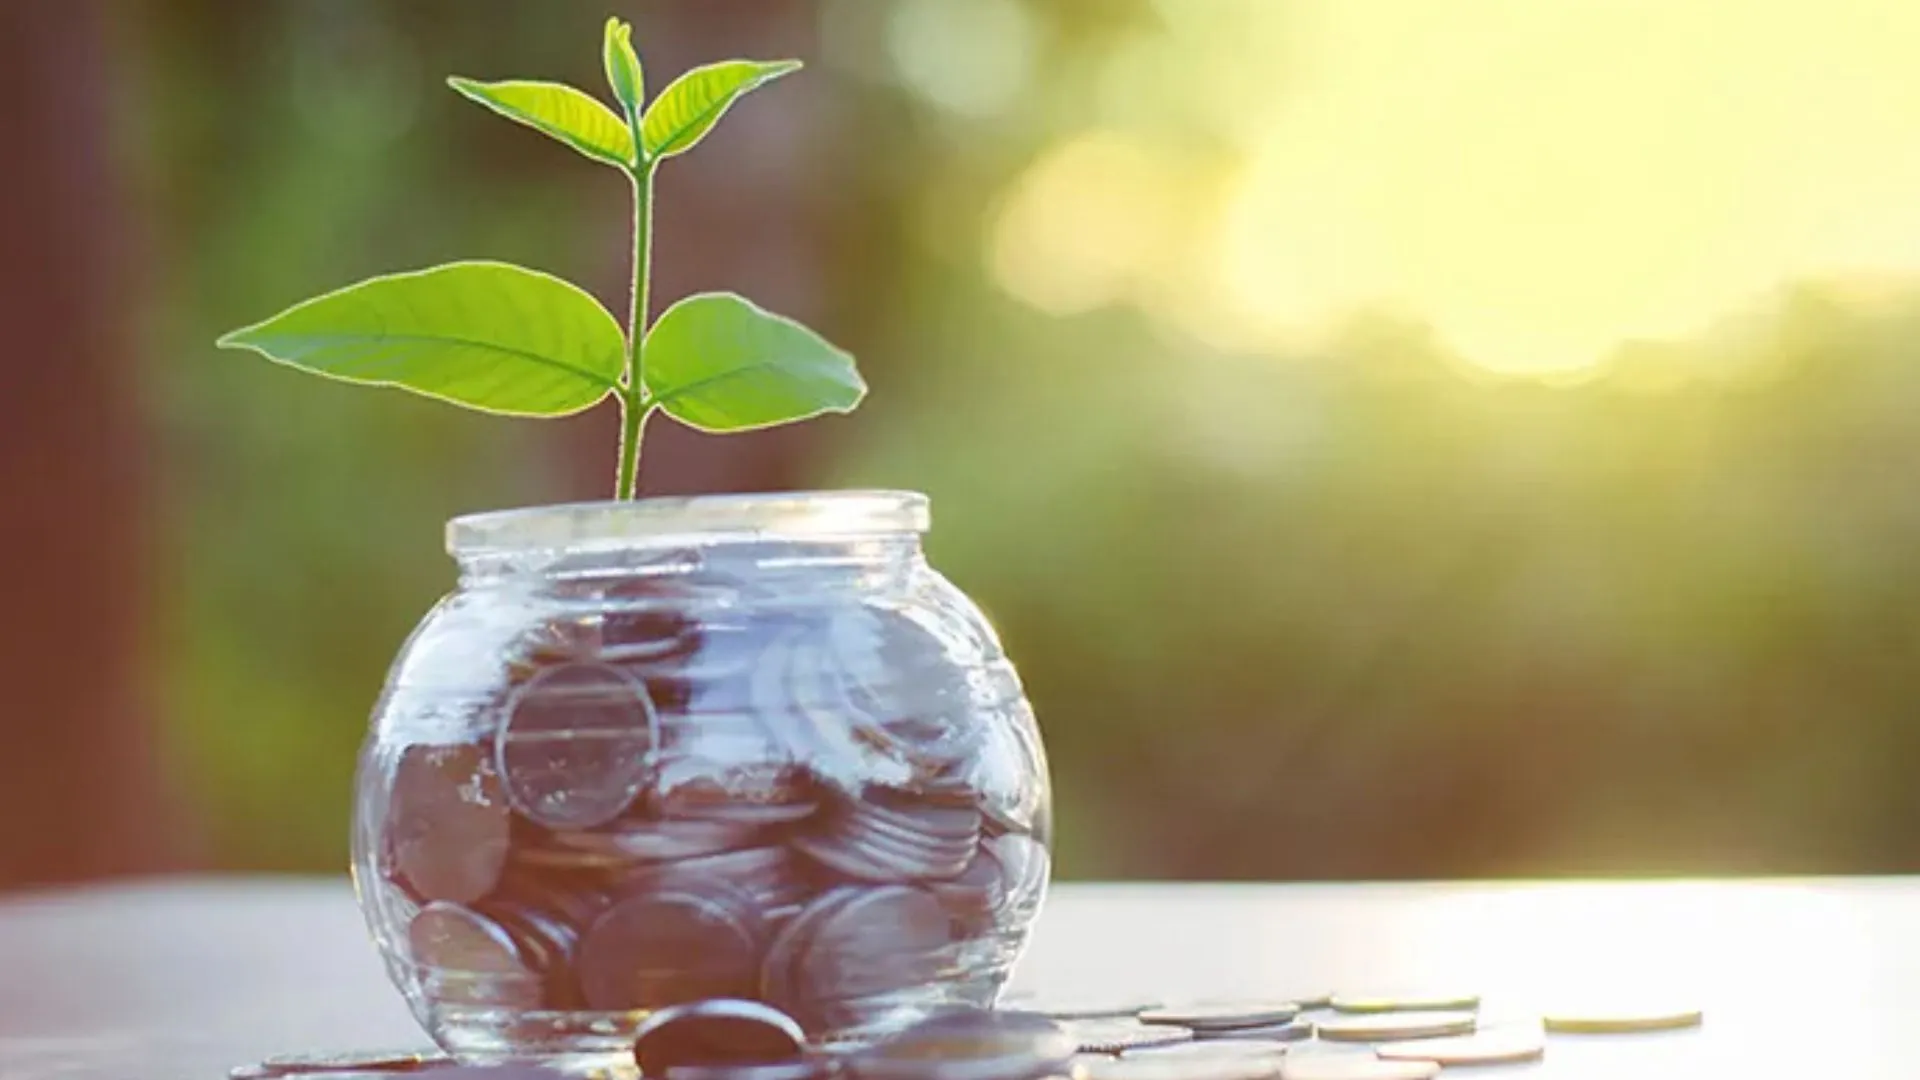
1291	1031
781	972
635	840
768	874
969	1044
365	1061
1354	1067
976	893
448	822
885	837
1026	865
467	958
679	944
1115	1035
546	942
797	1069
881	941
1161	1067
715	1032
1214	1048
1381	1027
576	747
1208	1016
1417	1001
1490	1046
1623	1019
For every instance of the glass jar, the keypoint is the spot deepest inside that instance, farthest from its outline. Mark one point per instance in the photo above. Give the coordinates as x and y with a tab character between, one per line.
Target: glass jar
657	751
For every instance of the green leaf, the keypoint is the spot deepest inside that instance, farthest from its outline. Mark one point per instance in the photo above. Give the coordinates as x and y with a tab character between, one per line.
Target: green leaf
718	362
623	66
688	108
570	115
487	335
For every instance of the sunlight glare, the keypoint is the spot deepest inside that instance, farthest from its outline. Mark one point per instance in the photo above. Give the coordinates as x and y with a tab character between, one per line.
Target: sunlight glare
1546	181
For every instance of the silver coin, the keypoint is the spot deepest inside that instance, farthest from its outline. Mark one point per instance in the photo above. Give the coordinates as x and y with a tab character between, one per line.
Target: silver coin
657	841
1207	1016
1293	1030
807	1068
464	957
577	746
1406	1001
905	686
1354	1067
662	948
1149	1067
1210	1048
1489	1046
883	940
1113	1036
715	1032
768	874
387	1062
448	822
547	945
969	1044
977	892
1392	1026
798	680
781	975
1027	867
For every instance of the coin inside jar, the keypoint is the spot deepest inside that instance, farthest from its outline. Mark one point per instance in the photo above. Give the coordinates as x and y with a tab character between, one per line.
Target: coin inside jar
448	824
683	943
577	745
718	1031
468	958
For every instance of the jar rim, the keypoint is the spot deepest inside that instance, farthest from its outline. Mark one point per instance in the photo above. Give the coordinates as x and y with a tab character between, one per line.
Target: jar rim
753	515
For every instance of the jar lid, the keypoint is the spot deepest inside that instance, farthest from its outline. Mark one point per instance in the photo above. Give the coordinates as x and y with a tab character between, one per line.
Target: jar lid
707	518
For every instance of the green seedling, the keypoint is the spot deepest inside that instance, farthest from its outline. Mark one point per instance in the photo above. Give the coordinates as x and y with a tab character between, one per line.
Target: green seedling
502	338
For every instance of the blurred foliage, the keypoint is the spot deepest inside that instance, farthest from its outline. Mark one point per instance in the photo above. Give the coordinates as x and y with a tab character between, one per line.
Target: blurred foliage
1346	608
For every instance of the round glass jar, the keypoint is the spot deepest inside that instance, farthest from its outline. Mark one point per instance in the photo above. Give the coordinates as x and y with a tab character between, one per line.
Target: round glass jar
727	746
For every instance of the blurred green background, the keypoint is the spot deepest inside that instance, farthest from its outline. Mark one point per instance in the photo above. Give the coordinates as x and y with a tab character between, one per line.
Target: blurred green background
1390	445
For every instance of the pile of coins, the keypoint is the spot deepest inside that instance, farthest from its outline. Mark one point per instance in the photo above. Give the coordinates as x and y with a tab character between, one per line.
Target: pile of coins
1392	1038
1327	1037
816	808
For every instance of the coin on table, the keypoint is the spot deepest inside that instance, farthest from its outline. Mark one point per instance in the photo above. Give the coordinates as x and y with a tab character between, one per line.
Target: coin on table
1412	1001
715	1032
363	1061
494	1073
1490	1046
1293	1030
1623	1019
1354	1067
1211	1048
1114	1035
1149	1067
805	1068
449	822
1213	1016
679	944
577	745
1385	1027
969	1044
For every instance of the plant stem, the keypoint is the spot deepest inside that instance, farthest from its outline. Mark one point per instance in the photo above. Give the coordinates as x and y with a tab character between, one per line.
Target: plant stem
634	403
